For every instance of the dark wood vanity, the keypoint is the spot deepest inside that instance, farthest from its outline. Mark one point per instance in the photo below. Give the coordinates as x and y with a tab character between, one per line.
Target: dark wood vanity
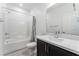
47	49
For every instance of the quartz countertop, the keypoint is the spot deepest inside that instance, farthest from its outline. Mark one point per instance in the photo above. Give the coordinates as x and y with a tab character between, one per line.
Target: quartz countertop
71	45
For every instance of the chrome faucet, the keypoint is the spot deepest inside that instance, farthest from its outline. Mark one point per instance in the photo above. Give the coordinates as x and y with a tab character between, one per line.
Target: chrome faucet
57	31
57	34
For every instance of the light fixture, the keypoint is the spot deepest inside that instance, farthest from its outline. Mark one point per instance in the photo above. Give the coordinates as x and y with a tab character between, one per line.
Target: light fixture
20	4
51	4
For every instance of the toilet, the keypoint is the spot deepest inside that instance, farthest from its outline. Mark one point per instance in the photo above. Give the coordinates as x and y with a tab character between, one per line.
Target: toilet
31	45
32	48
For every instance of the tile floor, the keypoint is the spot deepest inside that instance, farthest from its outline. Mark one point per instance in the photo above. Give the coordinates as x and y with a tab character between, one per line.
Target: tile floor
23	52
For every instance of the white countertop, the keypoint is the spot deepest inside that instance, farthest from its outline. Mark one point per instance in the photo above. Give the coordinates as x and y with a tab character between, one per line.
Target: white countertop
65	43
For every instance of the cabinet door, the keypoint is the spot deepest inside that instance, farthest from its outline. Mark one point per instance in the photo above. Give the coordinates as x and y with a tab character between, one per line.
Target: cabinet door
51	50
41	48
56	51
63	52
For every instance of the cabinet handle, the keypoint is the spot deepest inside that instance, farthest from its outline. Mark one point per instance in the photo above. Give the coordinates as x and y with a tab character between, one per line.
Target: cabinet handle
45	47
47	50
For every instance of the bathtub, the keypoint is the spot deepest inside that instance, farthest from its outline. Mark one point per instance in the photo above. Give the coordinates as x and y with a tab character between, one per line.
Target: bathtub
11	45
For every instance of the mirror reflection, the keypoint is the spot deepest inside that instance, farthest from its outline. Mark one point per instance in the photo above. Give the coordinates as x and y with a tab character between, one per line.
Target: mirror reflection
63	18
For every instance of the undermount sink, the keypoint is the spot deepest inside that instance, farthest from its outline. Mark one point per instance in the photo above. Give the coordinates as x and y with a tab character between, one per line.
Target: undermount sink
60	39
56	39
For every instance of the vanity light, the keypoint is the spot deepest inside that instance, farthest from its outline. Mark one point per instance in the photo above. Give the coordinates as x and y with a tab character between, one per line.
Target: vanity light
21	4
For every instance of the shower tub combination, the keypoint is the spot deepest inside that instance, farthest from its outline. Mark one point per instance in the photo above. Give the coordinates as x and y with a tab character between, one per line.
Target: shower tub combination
17	31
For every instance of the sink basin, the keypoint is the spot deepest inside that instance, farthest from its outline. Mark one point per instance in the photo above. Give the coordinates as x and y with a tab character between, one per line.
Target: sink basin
56	39
60	39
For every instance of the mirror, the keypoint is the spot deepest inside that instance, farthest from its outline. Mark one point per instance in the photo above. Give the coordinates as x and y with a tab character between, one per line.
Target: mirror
65	16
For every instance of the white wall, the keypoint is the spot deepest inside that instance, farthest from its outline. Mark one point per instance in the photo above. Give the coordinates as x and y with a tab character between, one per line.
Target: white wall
38	10
1	27
40	20
63	15
18	24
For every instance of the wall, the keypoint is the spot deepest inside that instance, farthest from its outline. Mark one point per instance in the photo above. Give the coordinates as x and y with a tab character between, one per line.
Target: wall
38	10
40	20
1	27
18	24
63	15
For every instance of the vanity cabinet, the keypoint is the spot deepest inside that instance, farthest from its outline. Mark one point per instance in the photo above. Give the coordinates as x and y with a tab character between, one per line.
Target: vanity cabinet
42	48
46	49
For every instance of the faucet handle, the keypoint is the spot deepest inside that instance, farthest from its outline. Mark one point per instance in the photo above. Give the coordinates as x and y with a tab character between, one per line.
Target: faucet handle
58	32
63	32
6	33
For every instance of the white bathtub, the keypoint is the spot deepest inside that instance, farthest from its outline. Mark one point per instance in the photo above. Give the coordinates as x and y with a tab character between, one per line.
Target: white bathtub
11	45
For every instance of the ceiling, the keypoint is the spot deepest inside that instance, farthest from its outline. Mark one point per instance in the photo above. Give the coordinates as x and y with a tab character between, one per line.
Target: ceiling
30	6
57	5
